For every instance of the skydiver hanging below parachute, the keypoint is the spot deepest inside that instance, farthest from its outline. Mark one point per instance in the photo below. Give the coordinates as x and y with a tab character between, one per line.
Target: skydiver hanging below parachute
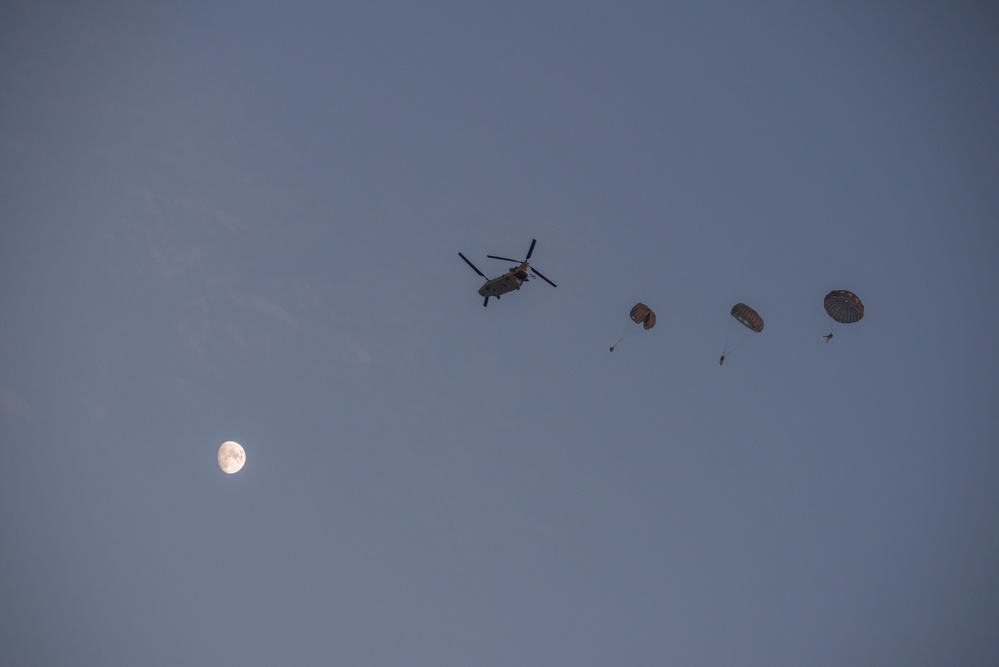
747	317
640	314
844	307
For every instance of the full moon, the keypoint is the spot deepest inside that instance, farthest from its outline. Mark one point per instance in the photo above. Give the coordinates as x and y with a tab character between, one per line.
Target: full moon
231	457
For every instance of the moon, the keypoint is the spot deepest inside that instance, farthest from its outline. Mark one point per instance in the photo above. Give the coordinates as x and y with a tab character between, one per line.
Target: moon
231	457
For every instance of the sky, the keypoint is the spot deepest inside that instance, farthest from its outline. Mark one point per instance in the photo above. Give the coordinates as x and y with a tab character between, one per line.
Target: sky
241	221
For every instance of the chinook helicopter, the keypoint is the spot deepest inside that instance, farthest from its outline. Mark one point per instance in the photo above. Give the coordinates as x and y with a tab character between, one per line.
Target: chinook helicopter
509	281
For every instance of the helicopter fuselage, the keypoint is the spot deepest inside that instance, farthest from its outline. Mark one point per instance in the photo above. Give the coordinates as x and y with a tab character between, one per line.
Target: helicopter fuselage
508	282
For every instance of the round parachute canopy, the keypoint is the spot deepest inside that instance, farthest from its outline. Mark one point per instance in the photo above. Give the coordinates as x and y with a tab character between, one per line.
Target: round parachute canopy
844	306
747	317
642	314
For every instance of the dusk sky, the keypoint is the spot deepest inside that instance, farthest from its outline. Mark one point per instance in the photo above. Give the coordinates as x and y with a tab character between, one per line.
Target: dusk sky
241	221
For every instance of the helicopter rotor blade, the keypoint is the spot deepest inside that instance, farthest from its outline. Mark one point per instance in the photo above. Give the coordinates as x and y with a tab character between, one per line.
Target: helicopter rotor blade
474	268
542	276
507	259
533	241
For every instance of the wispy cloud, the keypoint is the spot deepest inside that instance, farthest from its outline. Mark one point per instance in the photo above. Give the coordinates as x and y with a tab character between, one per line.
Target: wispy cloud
174	262
231	316
354	351
162	208
153	204
267	307
230	222
14	404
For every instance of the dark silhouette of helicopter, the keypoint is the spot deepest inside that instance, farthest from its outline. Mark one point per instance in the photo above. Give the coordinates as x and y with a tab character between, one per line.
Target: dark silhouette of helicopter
509	281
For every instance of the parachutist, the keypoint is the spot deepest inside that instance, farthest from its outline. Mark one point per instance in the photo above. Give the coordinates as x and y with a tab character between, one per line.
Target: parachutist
722	360
640	314
828	337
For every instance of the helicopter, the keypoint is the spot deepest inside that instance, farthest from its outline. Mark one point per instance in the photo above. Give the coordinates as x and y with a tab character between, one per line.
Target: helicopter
509	281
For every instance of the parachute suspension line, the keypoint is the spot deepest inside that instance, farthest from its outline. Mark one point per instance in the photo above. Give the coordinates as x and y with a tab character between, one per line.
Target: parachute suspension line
625	333
844	307
728	337
738	345
749	319
640	314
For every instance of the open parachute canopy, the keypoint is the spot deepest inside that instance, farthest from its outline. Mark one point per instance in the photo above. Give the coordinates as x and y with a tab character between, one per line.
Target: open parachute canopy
747	317
843	306
642	314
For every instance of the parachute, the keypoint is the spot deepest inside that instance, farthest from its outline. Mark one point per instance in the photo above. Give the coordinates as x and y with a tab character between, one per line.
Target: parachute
640	314
843	306
748	317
